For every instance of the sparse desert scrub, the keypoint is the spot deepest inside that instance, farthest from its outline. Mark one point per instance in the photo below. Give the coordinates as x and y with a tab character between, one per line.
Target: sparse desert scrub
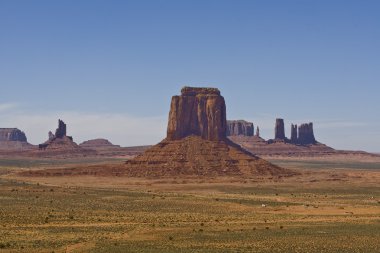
190	217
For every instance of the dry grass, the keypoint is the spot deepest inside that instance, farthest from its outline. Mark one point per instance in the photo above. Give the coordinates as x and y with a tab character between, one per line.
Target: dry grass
317	211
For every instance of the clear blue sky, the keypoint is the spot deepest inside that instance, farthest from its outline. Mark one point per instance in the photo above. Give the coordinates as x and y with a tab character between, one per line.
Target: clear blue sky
121	61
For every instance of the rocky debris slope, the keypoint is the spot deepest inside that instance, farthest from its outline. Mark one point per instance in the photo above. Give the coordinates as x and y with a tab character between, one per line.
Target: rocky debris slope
196	143
239	127
193	155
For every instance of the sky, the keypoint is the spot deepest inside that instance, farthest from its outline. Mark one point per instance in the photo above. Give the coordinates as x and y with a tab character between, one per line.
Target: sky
109	68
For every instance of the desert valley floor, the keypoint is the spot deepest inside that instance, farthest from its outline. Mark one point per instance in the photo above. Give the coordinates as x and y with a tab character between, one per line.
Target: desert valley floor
332	205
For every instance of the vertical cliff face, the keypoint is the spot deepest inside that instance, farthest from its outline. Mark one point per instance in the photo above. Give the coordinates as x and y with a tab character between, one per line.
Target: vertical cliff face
197	111
12	134
239	127
306	134
61	130
279	131
294	134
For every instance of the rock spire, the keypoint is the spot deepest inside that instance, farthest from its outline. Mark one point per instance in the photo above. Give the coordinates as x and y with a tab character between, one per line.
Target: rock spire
279	131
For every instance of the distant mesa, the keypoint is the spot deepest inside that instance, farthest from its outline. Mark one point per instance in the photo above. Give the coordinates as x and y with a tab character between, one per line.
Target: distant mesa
197	144
302	142
303	135
240	127
13	139
98	144
12	134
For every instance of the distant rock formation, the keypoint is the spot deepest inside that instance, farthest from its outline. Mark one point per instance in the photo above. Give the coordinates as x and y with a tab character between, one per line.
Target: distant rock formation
13	139
303	135
257	131
98	144
302	142
279	131
12	134
196	143
60	132
239	127
51	136
59	141
306	134
294	134
198	111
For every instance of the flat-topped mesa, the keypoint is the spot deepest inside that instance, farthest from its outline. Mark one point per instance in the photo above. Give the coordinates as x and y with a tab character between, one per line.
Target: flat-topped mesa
279	130
12	134
239	127
306	134
197	111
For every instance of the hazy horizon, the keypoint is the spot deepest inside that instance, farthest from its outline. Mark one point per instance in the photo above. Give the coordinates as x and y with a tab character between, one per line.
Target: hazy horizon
109	70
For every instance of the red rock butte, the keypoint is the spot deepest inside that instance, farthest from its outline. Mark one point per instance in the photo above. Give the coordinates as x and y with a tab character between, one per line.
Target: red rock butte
196	143
198	111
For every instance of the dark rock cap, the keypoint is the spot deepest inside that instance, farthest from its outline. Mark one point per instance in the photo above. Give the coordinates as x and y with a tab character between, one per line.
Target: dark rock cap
193	91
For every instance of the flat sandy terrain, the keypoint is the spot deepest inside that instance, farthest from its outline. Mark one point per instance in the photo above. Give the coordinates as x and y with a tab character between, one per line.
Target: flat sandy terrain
333	205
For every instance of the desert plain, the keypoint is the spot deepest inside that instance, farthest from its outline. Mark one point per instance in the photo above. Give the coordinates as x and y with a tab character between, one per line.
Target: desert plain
331	205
